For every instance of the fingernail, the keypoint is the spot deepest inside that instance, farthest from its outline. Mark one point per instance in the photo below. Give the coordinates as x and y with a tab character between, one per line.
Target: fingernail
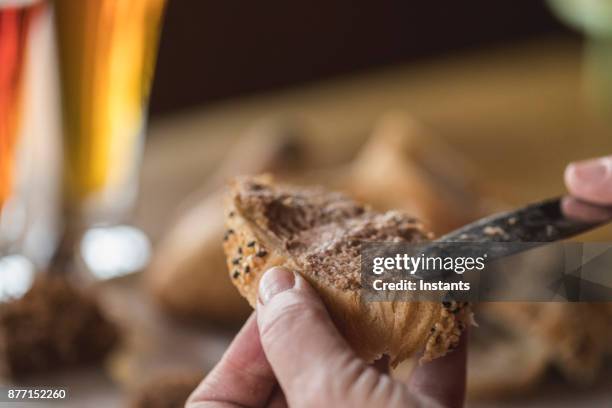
273	282
591	171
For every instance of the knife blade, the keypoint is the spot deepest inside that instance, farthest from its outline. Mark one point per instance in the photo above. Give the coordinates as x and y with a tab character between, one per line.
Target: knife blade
536	224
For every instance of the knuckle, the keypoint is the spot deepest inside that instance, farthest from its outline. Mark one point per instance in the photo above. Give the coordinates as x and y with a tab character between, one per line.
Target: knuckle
317	392
334	383
287	317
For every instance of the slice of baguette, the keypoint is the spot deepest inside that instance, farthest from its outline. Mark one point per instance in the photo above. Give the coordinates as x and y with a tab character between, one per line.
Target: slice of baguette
317	234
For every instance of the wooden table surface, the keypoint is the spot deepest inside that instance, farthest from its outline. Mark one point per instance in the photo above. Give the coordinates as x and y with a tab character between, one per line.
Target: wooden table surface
519	113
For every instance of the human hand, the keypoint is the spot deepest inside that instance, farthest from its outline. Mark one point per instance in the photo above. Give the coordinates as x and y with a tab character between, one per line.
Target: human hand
590	181
289	353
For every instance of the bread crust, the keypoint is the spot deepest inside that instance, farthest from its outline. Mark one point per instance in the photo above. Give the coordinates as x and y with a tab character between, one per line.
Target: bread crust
373	329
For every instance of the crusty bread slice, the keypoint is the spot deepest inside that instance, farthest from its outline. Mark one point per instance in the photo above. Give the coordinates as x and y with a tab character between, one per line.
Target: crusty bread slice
317	234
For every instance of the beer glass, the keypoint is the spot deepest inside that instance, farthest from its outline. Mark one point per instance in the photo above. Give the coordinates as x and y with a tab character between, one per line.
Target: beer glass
107	51
17	19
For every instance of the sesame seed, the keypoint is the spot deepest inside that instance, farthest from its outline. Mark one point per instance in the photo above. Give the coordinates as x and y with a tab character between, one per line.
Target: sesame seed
247	269
236	274
251	244
227	234
261	253
236	261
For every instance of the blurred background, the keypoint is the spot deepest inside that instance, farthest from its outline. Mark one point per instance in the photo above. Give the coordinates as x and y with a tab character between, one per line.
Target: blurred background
120	123
278	45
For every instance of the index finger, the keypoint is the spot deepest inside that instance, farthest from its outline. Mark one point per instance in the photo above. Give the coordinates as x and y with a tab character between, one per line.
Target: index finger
242	378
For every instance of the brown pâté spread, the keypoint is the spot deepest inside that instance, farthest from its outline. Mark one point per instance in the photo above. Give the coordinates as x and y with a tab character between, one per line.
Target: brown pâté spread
323	230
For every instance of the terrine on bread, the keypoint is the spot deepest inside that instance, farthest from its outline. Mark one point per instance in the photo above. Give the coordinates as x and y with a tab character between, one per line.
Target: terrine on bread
317	233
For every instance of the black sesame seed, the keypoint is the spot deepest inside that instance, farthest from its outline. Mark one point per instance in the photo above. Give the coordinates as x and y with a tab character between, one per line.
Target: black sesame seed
236	274
227	234
231	214
446	304
251	244
236	261
240	250
261	253
247	269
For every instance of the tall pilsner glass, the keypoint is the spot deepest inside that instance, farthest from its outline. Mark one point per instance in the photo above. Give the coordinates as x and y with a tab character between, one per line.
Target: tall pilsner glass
107	51
17	21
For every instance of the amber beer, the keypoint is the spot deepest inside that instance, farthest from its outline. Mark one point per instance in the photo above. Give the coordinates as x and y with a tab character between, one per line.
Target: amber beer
107	51
16	18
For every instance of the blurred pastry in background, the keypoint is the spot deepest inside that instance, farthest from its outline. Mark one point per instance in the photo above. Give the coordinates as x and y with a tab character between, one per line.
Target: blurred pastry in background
405	166
576	336
52	327
502	361
168	391
187	274
515	344
278	145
